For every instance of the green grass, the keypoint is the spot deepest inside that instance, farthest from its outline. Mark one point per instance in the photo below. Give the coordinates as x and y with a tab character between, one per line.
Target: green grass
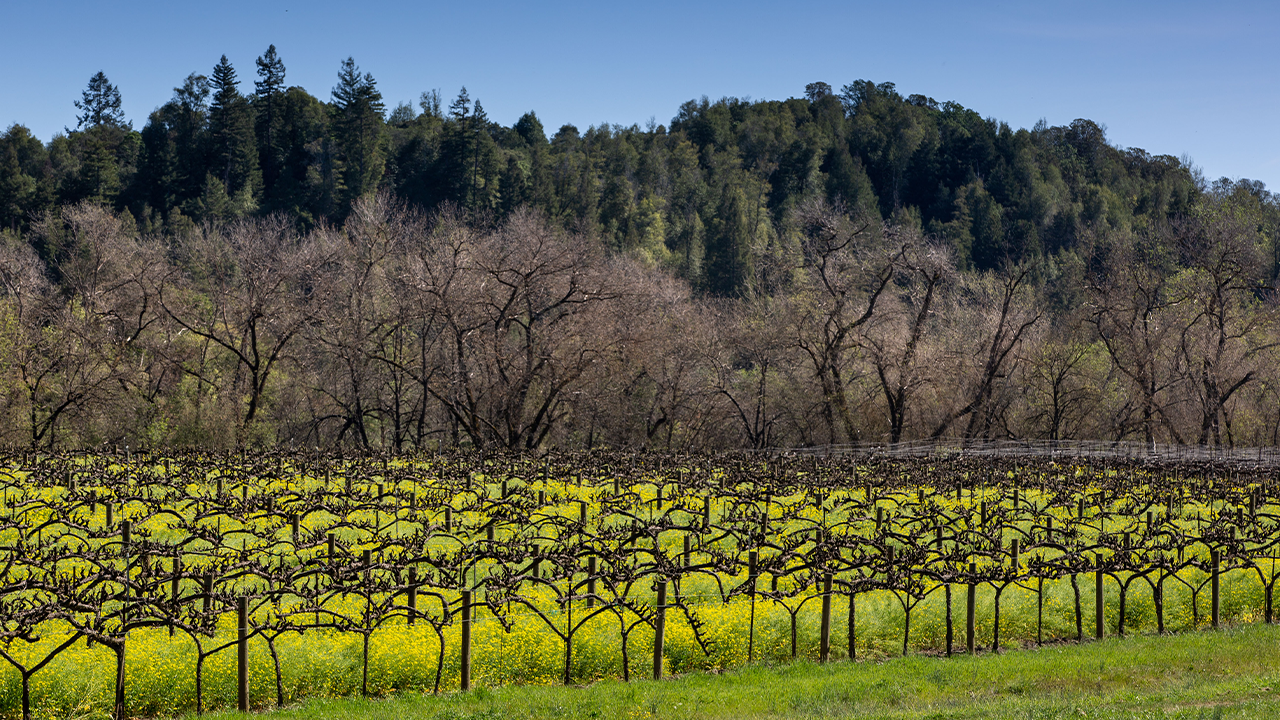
1230	673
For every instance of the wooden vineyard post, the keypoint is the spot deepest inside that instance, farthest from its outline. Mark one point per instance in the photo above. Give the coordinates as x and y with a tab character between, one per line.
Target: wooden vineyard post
950	627
659	629
969	609
753	559
1215	559
824	643
853	625
207	599
465	662
413	594
1098	607
175	586
242	653
1157	594
591	581
1268	595
1040	611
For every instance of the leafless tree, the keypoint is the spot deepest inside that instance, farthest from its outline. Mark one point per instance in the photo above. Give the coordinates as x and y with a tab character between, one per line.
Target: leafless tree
1223	319
510	325
358	324
75	351
1130	299
893	342
249	290
1001	310
848	268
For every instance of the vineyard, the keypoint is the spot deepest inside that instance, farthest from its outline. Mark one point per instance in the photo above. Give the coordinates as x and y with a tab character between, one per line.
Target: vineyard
155	585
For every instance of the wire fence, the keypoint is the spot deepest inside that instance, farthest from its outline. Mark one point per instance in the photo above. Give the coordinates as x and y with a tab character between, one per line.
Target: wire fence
1163	453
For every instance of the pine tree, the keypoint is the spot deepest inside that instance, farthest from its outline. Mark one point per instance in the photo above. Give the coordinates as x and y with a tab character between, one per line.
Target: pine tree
457	149
482	170
99	171
235	154
514	187
100	103
22	157
358	130
269	92
728	241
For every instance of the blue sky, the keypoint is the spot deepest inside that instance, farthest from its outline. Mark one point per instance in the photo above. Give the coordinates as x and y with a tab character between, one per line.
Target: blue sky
1170	77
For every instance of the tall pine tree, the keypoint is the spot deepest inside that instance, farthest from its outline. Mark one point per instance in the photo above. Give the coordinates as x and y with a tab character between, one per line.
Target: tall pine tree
100	104
234	148
358	131
269	101
457	151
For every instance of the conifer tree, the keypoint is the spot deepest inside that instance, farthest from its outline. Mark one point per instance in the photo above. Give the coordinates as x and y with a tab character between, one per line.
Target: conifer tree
358	130
235	154
459	143
100	104
269	92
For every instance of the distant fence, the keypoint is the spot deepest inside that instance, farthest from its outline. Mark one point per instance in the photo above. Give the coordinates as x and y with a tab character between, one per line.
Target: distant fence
1259	457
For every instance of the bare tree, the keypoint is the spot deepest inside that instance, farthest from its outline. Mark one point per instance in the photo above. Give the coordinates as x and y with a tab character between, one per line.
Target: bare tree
1002	312
650	389
249	290
358	323
848	267
509	326
1065	378
73	347
747	354
893	342
1130	296
1222	318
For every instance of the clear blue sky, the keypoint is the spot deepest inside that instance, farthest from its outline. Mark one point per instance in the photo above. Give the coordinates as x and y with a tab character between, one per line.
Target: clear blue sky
1173	78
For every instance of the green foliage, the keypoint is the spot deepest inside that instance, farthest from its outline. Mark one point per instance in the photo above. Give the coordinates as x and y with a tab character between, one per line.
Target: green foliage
358	117
231	134
268	100
996	194
100	104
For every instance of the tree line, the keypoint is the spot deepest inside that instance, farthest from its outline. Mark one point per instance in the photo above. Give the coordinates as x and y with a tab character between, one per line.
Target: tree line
841	267
705	196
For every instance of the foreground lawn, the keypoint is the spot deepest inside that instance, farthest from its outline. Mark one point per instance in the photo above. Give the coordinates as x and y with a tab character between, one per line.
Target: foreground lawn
1231	673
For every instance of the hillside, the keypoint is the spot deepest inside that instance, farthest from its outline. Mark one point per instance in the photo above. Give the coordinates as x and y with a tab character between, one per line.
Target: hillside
846	266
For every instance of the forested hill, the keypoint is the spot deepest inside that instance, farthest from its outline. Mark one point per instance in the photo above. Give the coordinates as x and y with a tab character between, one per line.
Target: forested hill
707	196
853	266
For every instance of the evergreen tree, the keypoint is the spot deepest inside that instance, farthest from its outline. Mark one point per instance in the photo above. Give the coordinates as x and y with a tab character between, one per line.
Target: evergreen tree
529	128
99	172
541	190
515	188
175	148
484	166
269	97
22	160
358	131
430	103
308	176
100	104
457	150
235	154
728	245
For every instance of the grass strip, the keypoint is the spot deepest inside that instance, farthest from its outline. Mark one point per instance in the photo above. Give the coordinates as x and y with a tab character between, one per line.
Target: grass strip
1225	674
